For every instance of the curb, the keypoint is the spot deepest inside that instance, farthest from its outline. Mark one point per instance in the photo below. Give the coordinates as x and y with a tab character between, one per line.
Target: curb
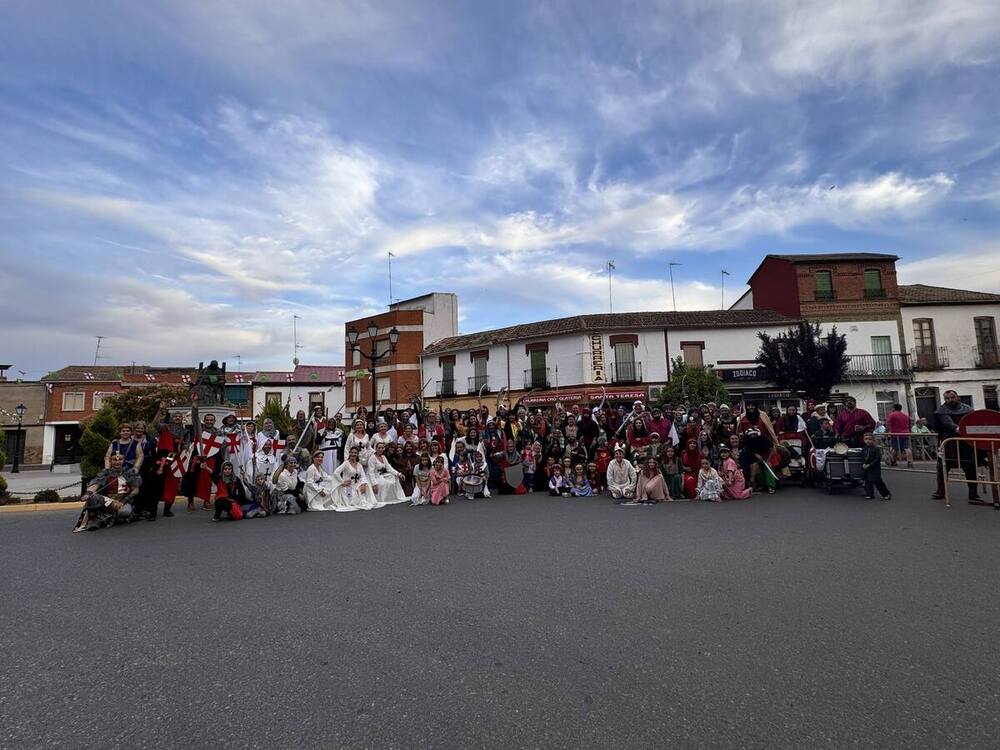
38	507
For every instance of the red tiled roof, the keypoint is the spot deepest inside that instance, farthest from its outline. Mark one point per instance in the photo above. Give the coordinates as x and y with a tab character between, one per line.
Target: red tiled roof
611	322
831	257
303	375
922	294
120	373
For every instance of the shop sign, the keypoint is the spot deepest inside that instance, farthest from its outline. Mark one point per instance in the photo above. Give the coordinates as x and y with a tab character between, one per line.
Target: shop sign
597	358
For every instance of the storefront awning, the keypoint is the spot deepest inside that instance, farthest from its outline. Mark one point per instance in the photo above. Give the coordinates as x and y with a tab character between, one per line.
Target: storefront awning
583	395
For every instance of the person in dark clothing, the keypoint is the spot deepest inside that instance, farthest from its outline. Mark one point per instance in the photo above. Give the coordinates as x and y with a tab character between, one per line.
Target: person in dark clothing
824	436
871	464
954	456
231	495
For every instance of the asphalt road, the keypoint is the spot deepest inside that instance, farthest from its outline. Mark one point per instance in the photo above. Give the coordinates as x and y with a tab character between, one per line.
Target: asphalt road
798	620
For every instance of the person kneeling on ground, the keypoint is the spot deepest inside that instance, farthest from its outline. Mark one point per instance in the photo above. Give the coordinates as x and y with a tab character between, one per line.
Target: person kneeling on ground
108	499
230	495
733	484
285	495
871	464
621	477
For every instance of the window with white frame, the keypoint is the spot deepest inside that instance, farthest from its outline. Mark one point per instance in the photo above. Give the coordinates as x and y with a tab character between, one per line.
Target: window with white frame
73	401
99	397
356	391
884	401
383	389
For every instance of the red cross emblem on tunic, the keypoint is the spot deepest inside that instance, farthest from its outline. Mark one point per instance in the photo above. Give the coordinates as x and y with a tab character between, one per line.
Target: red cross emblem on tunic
233	440
210	444
178	466
277	445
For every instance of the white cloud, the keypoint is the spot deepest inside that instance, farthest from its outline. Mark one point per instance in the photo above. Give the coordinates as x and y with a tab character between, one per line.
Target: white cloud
977	269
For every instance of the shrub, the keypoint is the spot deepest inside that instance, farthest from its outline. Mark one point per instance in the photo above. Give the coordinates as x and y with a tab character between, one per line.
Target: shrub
3	459
134	404
97	435
47	496
277	412
3	489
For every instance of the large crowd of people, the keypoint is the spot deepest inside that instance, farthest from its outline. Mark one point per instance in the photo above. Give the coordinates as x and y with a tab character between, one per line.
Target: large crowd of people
633	454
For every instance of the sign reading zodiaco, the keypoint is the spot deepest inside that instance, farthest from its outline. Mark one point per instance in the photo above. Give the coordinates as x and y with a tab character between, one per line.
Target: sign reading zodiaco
597	358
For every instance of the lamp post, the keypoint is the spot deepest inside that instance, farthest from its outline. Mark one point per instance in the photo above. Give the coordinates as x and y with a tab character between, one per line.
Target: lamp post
19	410
373	358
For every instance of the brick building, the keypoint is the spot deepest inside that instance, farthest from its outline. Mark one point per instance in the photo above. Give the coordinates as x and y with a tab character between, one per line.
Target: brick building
75	393
27	442
419	321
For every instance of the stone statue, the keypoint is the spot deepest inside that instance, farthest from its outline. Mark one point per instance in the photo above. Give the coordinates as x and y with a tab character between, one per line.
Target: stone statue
209	388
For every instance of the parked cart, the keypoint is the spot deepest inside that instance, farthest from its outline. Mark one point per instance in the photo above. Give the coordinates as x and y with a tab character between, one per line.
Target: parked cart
838	466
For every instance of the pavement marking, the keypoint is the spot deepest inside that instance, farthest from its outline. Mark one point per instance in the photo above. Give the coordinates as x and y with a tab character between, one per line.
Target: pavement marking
35	507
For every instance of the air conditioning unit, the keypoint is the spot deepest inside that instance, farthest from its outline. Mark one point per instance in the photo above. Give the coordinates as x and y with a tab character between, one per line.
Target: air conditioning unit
654	392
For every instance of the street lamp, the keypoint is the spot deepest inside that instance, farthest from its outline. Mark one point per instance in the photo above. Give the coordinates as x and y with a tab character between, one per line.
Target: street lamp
19	410
373	357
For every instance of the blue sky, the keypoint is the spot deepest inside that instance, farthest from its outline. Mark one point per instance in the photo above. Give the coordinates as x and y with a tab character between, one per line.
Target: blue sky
183	177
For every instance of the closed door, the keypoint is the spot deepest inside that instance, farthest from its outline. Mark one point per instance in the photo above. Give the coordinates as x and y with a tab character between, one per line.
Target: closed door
539	376
882	351
15	446
625	363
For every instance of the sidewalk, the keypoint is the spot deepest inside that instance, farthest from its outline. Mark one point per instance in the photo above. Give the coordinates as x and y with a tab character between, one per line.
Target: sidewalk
27	483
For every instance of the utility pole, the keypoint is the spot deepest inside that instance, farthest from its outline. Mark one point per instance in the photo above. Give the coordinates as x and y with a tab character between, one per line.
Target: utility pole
672	295
97	351
725	273
295	340
391	256
611	267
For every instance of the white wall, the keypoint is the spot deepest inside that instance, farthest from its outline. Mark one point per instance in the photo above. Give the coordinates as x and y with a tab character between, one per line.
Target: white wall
568	361
953	328
859	334
721	343
440	314
299	394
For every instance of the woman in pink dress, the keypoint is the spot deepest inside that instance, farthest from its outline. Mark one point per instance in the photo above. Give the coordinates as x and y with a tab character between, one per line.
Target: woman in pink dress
733	485
651	488
440	482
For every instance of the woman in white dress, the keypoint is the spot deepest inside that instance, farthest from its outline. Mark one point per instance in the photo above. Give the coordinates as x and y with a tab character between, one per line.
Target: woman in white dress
382	436
385	479
352	490
358	439
422	481
319	485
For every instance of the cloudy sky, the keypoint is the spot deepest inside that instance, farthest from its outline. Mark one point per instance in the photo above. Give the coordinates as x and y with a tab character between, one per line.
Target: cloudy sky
182	177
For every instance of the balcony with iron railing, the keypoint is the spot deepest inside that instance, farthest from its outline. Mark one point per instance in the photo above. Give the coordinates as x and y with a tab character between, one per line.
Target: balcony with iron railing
929	358
987	356
478	383
625	372
878	366
446	387
537	378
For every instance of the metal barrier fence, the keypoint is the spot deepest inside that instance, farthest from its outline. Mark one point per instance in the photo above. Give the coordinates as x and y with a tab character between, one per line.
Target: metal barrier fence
969	454
923	445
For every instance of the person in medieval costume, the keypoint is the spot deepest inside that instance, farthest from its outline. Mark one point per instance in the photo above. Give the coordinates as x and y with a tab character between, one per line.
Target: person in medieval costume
319	484
109	496
205	466
384	478
264	462
353	490
173	449
127	446
622	477
359	439
285	487
330	442
269	432
233	435
147	500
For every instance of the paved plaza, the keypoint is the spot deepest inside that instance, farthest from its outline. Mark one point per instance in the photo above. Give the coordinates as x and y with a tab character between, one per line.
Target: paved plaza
798	620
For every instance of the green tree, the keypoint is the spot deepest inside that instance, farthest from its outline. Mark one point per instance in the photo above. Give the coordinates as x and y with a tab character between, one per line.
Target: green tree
98	432
277	412
692	385
804	360
142	402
